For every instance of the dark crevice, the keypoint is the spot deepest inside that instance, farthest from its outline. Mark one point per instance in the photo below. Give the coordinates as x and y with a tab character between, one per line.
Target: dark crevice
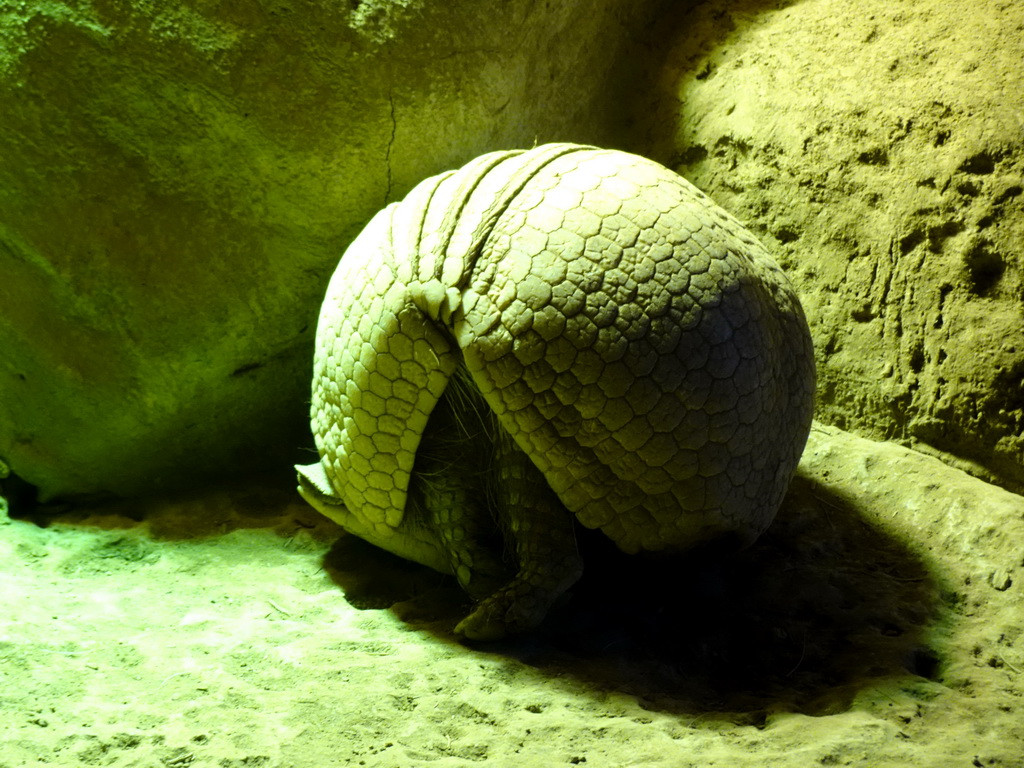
391	144
875	156
1009	193
940	234
981	164
911	241
917	359
985	268
944	292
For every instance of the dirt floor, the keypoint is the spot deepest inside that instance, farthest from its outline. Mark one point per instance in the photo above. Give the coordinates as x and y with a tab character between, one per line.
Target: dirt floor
878	623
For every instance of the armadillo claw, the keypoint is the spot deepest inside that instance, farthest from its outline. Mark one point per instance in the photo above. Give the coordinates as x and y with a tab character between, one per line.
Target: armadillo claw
519	606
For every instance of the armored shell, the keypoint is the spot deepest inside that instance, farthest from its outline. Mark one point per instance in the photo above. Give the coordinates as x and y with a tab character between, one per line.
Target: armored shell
628	352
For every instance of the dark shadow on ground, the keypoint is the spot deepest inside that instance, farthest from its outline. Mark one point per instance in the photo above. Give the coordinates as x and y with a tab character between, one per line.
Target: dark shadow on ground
194	513
819	607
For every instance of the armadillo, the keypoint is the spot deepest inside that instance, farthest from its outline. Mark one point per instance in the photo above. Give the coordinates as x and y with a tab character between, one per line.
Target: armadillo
545	338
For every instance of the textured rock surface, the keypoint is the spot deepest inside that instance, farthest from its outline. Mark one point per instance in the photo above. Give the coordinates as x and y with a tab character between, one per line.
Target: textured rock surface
177	182
879	144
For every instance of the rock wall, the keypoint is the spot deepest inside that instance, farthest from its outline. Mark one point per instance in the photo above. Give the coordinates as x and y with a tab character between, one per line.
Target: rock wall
878	149
178	180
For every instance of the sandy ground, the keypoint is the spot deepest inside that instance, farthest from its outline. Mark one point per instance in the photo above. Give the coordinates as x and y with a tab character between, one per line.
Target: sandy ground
877	623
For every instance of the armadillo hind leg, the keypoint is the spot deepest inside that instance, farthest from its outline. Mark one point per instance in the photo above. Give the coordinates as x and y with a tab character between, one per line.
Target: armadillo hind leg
449	492
542	533
507	537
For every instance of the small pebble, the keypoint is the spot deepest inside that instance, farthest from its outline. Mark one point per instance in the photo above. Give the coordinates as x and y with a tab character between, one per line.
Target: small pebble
1000	580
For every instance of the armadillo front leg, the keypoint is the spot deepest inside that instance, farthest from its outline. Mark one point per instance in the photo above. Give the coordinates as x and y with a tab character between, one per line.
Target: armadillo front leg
542	533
